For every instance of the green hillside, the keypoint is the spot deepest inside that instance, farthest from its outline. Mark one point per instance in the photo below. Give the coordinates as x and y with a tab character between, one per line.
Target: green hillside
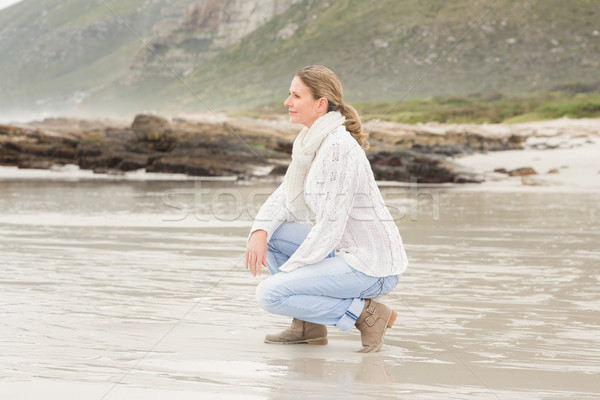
384	52
380	49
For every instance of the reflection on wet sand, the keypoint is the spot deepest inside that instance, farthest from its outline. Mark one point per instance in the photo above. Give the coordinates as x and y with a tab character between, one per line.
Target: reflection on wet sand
105	298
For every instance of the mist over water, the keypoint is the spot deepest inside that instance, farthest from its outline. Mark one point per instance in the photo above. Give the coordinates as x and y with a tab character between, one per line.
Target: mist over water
116	289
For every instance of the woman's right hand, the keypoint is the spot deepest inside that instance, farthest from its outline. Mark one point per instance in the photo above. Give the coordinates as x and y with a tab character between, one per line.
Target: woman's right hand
256	253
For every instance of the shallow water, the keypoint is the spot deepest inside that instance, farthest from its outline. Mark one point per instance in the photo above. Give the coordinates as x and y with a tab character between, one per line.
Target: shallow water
119	289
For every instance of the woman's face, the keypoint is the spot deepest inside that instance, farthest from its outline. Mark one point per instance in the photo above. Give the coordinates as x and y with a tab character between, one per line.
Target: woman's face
303	108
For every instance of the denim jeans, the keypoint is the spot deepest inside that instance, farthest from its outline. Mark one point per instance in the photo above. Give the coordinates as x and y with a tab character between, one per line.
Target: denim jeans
329	292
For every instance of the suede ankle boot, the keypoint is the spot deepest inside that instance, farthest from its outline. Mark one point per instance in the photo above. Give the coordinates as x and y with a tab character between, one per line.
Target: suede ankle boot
300	332
372	323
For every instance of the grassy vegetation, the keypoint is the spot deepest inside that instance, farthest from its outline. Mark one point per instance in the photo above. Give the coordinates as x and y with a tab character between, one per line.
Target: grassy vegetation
490	109
573	101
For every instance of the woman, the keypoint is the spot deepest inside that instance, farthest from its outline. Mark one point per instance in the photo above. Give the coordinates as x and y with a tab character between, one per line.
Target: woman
327	274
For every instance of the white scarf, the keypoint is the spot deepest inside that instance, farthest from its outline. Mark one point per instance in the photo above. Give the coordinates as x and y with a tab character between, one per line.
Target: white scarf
304	150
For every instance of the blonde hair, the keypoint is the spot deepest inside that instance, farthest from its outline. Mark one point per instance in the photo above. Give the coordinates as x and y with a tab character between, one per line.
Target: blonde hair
323	82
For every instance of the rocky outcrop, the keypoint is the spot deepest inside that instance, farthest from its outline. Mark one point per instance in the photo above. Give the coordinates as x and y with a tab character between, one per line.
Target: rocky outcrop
217	145
153	143
195	145
522	171
446	139
154	131
407	166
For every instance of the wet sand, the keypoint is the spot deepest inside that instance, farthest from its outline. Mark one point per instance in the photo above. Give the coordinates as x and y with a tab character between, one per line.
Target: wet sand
122	289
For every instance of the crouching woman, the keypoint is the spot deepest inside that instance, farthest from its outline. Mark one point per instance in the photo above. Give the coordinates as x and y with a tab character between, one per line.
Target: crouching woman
331	272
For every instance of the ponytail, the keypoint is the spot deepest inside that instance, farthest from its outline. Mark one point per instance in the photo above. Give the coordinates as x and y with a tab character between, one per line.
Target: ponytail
354	125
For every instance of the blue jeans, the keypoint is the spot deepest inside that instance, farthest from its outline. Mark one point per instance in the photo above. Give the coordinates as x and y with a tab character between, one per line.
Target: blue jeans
329	292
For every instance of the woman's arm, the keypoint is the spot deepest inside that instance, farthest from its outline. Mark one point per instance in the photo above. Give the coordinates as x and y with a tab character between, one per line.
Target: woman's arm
271	214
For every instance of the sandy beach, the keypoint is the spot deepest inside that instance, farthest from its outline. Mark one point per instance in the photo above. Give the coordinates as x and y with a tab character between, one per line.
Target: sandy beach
562	153
112	293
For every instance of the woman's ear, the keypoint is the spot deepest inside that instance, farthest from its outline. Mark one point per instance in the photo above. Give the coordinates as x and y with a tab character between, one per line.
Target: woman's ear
323	104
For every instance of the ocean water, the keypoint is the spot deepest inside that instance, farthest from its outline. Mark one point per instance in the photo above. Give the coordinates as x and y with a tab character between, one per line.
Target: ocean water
135	288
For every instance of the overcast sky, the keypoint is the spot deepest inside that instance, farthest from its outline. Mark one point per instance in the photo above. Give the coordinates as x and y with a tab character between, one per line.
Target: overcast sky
6	3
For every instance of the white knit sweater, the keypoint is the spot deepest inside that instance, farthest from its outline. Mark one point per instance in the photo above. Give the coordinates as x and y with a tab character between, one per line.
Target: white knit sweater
350	214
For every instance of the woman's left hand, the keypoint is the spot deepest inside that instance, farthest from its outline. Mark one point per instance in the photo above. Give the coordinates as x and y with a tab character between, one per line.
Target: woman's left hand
256	253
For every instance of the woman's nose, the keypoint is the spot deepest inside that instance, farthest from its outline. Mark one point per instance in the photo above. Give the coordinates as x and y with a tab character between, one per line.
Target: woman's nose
286	103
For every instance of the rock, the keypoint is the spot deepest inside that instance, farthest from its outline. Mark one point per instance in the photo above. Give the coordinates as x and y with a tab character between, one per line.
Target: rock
530	180
522	171
110	161
446	139
553	171
87	151
113	161
468	178
34	164
155	131
64	151
133	162
279	170
405	166
198	167
8	157
284	147
148	123
501	170
27	147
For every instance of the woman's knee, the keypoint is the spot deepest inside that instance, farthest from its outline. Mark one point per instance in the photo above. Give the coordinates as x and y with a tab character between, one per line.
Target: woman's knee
267	295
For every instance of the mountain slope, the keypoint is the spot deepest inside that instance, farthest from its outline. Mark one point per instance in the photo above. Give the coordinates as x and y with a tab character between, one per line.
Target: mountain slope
55	52
78	56
381	49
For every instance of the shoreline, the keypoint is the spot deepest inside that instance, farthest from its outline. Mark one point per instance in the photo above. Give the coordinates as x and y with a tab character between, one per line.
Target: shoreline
563	161
73	172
